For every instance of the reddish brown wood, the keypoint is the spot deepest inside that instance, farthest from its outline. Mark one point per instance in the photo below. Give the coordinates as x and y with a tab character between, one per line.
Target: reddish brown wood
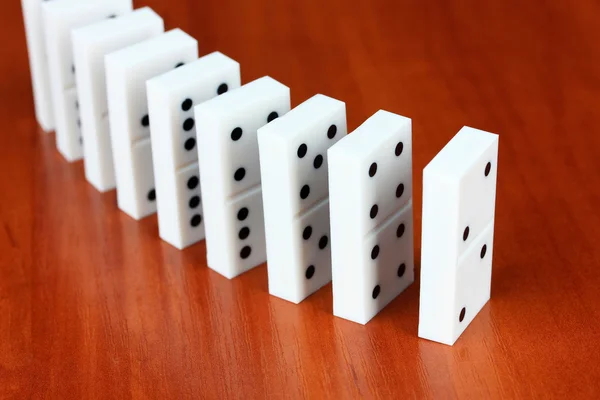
94	305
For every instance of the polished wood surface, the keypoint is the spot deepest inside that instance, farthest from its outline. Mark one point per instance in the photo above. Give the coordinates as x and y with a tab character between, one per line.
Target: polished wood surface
94	305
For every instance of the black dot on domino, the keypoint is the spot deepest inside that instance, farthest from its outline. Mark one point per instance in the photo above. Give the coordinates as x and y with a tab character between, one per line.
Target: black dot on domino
222	88
376	291
179	65
239	174
194	202
307	232
401	270
244	233
462	314
193	182
466	234
375	252
488	168
399	148
483	251
152	195
189	144
373	170
245	252
304	192
331	131
400	230
145	120
72	69
236	134
310	271
323	242
374	211
302	149
400	190
243	213
188	124
272	116
196	220
318	161
187	104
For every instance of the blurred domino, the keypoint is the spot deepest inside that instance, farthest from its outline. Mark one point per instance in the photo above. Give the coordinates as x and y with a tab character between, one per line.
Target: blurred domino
370	202
90	44
38	62
293	163
230	172
459	192
59	18
127	71
171	98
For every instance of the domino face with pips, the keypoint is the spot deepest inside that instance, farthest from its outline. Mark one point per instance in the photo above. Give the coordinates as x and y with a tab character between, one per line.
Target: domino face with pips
127	71
230	172
90	44
370	201
171	98
59	18
459	191
293	160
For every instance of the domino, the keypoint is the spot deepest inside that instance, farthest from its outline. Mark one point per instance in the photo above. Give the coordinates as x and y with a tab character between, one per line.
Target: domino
59	18
293	164
171	98
371	216
459	192
90	44
127	71
230	173
38	60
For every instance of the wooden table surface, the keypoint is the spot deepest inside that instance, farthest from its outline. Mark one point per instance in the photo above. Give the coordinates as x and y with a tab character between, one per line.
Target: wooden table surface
94	305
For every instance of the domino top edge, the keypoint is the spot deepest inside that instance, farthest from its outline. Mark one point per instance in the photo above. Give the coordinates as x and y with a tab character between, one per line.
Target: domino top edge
207	67
251	93
382	124
294	122
74	7
461	152
115	26
147	50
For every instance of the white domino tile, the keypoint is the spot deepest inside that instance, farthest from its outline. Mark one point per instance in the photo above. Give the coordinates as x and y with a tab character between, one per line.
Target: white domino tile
459	191
370	202
59	18
171	98
90	44
127	71
38	62
230	172
293	160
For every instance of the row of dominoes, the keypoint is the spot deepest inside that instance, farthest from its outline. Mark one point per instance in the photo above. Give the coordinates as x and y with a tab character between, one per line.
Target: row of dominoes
180	135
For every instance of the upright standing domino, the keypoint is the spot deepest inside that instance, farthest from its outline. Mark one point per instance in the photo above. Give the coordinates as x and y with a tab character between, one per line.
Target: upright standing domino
293	164
38	62
90	45
370	202
230	172
59	18
127	71
171	98
459	194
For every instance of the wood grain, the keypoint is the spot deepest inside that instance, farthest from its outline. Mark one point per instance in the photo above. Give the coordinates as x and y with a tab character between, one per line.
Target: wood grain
93	305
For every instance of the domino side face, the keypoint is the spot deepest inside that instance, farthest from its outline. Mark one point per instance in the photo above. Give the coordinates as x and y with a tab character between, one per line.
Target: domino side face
90	44
370	195
230	172
459	191
127	71
59	18
171	98
38	62
293	160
